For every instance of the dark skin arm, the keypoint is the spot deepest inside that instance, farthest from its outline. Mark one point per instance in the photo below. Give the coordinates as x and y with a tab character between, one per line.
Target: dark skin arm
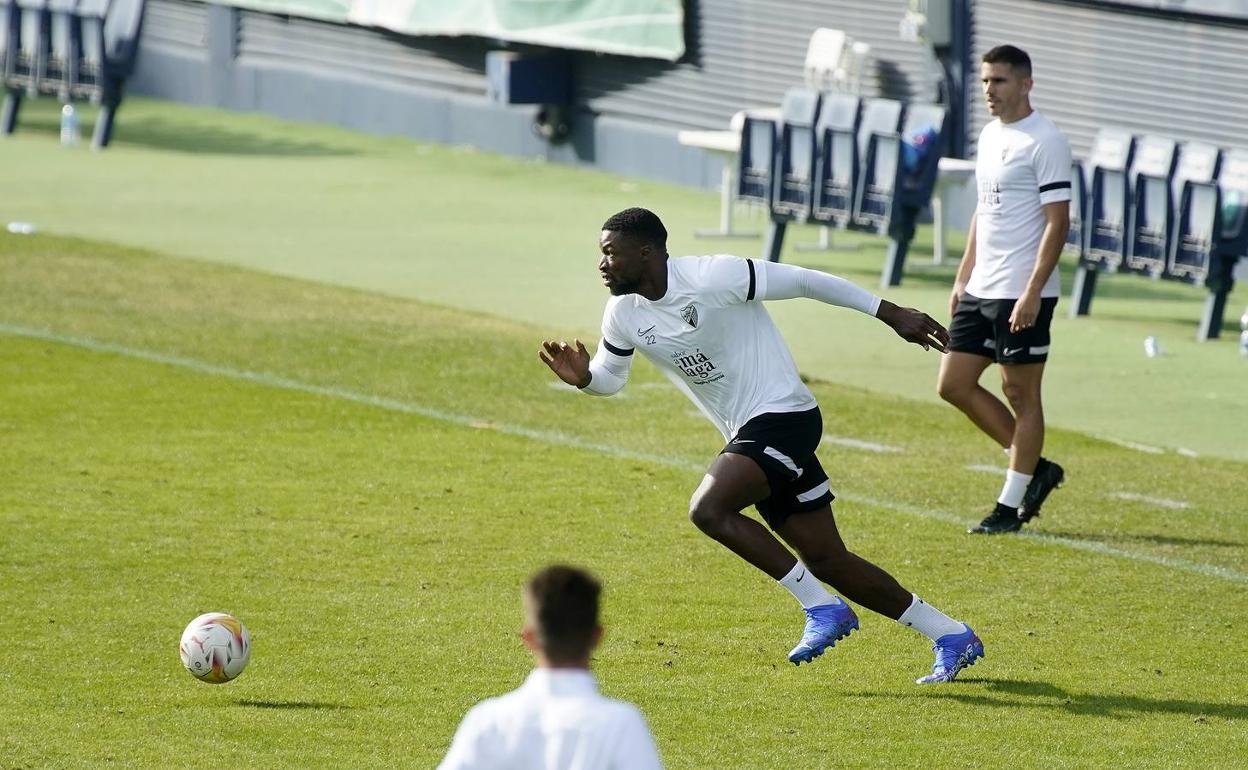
913	326
570	364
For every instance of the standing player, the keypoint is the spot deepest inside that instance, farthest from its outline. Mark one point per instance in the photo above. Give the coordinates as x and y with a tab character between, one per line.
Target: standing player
1007	285
702	322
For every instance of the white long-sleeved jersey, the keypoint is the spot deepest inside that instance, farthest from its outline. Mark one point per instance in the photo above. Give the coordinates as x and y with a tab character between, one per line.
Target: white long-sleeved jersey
711	335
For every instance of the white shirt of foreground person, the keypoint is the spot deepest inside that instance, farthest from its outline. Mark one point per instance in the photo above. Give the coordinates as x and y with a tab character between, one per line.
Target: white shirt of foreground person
556	720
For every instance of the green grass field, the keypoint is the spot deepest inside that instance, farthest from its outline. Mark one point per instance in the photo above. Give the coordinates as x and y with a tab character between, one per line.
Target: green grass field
518	239
281	373
346	473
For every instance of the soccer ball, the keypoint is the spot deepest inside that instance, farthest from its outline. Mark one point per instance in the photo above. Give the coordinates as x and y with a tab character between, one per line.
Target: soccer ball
215	647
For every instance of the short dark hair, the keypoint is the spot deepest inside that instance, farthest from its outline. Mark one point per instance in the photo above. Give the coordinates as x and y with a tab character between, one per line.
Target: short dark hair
639	223
563	602
1014	56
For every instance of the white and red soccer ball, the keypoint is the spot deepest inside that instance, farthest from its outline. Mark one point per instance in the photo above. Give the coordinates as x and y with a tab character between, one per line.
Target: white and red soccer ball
215	647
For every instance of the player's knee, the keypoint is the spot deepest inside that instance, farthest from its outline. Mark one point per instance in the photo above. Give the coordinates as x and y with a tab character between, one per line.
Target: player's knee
952	391
1021	399
705	515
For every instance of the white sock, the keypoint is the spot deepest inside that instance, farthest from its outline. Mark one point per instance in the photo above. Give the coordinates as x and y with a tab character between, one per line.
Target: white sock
929	621
807	588
1014	489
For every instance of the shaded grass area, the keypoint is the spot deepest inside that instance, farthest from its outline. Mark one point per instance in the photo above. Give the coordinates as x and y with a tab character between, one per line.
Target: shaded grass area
376	555
516	239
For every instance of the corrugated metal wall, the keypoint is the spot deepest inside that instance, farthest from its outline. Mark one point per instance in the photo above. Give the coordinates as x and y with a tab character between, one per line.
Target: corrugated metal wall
746	53
1095	67
177	25
448	64
742	53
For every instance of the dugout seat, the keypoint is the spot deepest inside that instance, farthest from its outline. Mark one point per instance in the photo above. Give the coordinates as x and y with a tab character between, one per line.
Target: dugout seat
795	162
1198	219
1075	235
879	146
1151	178
836	171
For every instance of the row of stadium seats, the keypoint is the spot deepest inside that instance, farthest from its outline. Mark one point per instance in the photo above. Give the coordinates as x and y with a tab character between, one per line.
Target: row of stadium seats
1152	206
844	162
70	49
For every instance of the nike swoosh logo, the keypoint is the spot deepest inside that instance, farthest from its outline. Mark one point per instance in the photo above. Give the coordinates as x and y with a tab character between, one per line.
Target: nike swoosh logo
1009	352
641	333
799	577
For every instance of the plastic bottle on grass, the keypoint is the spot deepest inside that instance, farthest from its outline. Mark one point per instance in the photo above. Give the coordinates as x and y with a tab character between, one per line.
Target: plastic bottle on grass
70	131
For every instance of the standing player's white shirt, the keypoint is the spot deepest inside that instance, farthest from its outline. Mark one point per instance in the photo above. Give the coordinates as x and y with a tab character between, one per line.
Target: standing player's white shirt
712	337
1020	166
556	720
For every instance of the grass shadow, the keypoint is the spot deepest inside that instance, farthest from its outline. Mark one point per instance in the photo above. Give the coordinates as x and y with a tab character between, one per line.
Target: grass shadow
1112	537
293	705
1021	693
190	138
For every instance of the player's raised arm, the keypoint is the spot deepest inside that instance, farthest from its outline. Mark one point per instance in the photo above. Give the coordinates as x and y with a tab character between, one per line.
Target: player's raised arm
779	281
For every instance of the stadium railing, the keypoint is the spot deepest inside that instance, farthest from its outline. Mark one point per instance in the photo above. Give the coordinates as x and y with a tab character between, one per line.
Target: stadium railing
1161	210
70	49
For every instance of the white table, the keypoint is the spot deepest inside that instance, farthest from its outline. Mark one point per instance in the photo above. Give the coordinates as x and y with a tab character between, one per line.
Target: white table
953	172
725	144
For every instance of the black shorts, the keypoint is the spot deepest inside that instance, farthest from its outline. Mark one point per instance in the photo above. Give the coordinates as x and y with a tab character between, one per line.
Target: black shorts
783	444
982	327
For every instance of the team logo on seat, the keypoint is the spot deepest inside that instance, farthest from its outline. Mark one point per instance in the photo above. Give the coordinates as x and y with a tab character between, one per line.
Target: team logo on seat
690	314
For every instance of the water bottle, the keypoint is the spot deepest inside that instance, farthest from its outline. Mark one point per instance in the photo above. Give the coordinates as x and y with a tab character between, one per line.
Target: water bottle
70	133
1152	348
1243	334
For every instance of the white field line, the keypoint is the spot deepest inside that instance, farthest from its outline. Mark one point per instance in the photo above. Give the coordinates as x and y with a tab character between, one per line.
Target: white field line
996	470
1161	502
854	443
1145	448
563	439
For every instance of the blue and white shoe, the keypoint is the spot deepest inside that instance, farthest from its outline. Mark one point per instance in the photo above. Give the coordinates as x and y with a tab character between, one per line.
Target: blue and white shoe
954	652
826	625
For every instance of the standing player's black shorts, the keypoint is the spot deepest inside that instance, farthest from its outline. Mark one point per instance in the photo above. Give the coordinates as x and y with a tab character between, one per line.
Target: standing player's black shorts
783	444
982	327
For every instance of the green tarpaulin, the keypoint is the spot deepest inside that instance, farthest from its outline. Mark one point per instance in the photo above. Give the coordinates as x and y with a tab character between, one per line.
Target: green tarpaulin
647	28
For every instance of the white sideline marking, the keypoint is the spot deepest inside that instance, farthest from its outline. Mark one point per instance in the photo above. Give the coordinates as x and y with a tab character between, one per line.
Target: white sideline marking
996	470
1145	448
562	439
854	443
1158	501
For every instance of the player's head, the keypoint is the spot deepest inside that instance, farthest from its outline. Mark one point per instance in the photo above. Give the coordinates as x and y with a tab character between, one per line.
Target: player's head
561	615
1005	76
633	242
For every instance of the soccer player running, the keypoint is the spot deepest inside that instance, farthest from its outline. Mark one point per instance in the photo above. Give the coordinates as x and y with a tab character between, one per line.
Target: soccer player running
702	322
1007	285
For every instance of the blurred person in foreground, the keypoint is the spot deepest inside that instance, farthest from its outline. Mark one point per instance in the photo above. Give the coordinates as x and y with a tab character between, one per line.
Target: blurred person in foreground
556	720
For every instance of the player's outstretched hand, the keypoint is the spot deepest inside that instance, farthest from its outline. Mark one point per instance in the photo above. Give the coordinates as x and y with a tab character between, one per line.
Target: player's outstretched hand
571	364
914	326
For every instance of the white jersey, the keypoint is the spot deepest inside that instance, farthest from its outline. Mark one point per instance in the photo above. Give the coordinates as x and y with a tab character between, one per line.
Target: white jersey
556	720
1020	166
713	338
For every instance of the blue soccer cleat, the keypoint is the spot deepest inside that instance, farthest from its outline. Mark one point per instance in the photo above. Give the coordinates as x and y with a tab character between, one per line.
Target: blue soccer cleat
954	652
826	625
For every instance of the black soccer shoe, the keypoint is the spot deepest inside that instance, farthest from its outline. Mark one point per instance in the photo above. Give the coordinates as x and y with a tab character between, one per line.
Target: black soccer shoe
1047	477
1002	519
